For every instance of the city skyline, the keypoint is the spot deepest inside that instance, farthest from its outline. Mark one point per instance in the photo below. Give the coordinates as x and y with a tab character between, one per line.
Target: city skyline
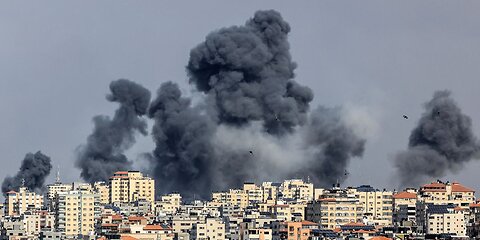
421	58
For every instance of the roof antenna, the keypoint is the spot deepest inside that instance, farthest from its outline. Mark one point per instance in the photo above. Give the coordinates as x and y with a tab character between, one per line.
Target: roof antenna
57	178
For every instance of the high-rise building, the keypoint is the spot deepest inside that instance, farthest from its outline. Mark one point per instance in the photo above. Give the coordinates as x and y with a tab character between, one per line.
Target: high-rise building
131	186
16	203
377	205
76	212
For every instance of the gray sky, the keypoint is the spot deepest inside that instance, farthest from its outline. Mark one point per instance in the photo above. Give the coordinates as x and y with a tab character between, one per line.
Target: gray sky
384	58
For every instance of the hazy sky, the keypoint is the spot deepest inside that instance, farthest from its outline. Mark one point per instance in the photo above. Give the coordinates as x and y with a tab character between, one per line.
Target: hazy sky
382	58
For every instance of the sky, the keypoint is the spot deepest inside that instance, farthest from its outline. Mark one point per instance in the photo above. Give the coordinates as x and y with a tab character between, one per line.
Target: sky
380	59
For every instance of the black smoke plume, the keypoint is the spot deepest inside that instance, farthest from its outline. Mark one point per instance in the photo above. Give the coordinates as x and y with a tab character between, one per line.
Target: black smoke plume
253	122
247	71
103	153
32	173
335	145
442	141
183	158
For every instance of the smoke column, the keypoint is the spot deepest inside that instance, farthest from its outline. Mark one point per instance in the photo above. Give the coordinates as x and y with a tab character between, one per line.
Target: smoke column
253	122
335	143
442	141
33	171
102	155
247	72
183	157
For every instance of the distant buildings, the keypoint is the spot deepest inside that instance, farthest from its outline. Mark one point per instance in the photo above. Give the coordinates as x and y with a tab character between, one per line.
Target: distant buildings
126	208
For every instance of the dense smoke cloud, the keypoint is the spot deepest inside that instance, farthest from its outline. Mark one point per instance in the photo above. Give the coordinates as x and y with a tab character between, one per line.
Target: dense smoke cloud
183	158
254	122
442	141
335	143
103	153
247	71
32	173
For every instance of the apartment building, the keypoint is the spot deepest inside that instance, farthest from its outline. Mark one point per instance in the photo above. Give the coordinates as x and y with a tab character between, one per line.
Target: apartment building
213	228
103	190
297	189
377	206
53	189
334	208
130	186
445	219
17	203
254	192
169	204
404	207
76	213
270	191
447	193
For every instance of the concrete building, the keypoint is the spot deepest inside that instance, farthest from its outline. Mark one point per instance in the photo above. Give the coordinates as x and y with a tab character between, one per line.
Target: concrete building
404	207
169	204
103	190
334	208
17	203
213	228
445	219
76	213
377	205
130	186
439	193
297	189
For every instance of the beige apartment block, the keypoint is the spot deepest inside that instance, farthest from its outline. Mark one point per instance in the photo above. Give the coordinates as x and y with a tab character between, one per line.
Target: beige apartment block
297	189
446	219
269	191
404	206
447	193
377	205
17	203
333	211
130	186
169	204
212	229
256	234
55	188
254	192
103	190
76	212
234	197
287	212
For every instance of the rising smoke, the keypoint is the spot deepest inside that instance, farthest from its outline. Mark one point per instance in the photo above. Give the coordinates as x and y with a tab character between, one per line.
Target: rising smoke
247	73
442	141
32	173
183	158
254	122
103	153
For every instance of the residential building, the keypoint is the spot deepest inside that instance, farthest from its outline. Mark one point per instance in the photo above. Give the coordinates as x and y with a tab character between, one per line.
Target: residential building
130	186
213	228
76	213
17	203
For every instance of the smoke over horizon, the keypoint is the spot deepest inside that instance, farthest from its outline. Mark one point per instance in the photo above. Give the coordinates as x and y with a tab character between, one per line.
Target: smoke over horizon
33	171
254	121
443	141
103	154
